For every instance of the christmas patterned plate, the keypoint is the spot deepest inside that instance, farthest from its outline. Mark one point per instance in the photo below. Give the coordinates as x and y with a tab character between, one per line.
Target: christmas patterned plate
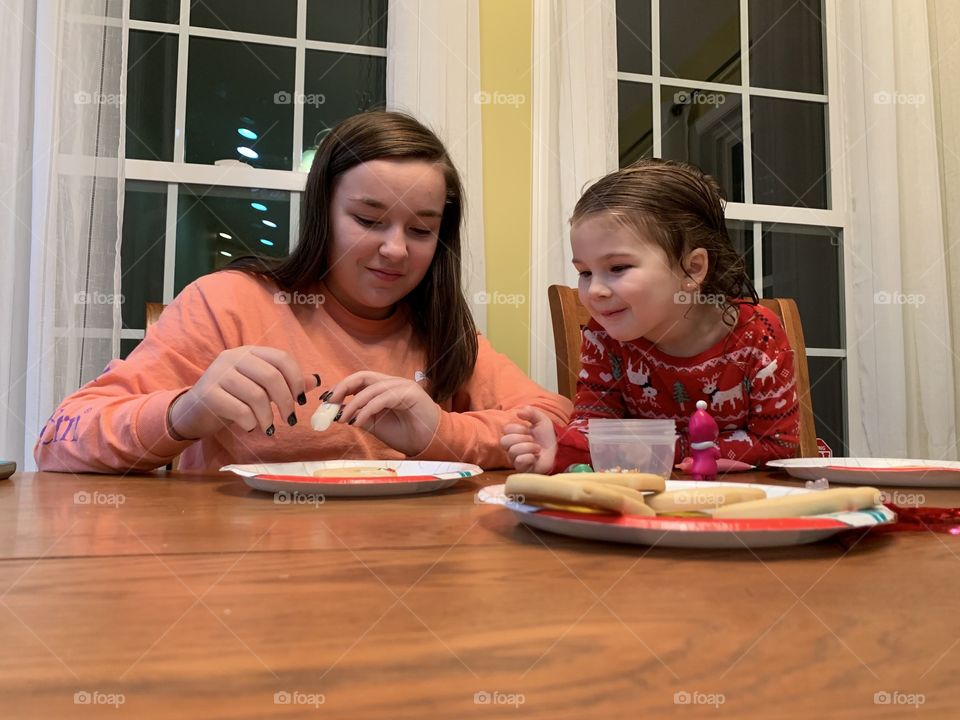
874	471
409	477
698	532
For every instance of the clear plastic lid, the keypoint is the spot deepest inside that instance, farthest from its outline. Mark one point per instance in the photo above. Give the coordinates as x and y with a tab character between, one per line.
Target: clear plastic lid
635	439
631	428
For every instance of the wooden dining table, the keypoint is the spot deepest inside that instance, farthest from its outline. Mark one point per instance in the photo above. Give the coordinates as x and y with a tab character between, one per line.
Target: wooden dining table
191	595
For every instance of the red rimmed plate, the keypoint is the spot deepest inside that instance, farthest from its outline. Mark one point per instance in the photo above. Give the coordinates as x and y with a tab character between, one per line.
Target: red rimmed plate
696	532
412	477
874	471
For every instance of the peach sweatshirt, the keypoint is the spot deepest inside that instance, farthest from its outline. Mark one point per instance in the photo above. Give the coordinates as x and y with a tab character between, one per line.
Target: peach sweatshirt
118	421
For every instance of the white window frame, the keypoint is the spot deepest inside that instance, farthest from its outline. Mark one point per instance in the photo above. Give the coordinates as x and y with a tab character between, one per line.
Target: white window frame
178	171
758	214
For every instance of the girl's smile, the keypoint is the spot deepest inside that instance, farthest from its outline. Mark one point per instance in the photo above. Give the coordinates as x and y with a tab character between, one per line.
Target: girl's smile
385	217
627	283
633	290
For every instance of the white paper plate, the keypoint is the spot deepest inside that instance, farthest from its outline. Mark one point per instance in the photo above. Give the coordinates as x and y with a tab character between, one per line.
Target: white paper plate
413	476
705	533
874	471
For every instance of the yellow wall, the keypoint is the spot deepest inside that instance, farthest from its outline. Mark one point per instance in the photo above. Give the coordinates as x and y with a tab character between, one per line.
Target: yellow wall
506	54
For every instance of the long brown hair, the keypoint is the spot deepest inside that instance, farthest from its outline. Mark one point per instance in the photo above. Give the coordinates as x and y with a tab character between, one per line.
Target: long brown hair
442	321
680	207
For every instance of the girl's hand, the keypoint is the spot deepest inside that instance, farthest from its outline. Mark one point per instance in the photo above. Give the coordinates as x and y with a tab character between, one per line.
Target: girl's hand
531	446
239	387
396	411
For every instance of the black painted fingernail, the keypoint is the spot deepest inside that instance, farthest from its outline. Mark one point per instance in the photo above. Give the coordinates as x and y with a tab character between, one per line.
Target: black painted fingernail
318	379
339	414
292	420
352	421
301	399
270	431
327	395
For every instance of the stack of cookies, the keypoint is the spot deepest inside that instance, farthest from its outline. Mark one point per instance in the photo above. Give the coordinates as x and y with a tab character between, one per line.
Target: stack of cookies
633	493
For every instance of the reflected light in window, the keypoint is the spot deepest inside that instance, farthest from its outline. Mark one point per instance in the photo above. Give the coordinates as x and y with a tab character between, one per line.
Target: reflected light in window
268	243
248	134
226	254
248	153
259	206
226	236
307	160
269	223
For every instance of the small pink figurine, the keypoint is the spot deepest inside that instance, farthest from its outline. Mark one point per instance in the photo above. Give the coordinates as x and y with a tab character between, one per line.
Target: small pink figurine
703	443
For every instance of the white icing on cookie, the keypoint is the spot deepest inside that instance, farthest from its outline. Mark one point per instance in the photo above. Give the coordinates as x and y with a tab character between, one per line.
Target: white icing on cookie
323	417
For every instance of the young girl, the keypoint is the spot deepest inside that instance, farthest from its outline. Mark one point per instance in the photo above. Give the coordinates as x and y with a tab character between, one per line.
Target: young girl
663	286
370	304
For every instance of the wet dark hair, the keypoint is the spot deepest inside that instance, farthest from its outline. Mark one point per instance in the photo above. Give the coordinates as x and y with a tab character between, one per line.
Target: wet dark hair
680	208
442	322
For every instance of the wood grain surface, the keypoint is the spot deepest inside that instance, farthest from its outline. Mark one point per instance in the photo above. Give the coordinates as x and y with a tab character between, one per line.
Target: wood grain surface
190	595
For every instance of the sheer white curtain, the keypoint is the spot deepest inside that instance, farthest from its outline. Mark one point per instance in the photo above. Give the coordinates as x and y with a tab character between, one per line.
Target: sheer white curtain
944	25
574	143
18	20
77	203
433	73
904	403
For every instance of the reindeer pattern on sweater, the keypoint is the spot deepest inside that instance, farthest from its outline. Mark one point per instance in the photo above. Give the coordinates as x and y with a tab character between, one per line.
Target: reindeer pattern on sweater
747	380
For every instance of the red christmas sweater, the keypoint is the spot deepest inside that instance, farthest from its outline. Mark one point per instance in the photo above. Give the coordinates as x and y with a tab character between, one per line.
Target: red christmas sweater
747	380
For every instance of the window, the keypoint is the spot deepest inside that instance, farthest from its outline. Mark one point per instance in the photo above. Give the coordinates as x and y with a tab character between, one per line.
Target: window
740	88
252	88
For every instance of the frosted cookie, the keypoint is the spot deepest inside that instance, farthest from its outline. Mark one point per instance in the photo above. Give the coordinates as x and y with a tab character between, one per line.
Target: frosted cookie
325	415
818	502
702	498
543	489
634	480
351	472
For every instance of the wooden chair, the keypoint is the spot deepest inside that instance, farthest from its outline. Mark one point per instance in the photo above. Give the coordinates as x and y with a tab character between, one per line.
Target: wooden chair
570	317
153	311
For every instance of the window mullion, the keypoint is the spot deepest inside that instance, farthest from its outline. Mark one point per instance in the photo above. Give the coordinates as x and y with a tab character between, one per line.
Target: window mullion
745	102
758	257
298	82
180	109
655	72
170	244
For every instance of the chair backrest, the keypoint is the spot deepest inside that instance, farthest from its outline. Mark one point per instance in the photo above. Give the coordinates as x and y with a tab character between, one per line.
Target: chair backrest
570	317
153	311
